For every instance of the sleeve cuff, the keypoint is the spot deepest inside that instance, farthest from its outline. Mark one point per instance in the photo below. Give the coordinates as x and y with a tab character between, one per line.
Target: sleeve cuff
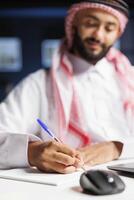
13	152
127	152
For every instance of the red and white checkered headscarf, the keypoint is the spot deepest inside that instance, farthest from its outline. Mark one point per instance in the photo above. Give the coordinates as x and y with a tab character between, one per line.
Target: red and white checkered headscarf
75	8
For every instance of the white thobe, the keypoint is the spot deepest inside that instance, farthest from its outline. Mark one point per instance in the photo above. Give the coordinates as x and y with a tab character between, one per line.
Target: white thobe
100	97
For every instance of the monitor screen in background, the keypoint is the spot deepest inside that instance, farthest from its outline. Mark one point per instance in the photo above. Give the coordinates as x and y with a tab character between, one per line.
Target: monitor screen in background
48	47
10	54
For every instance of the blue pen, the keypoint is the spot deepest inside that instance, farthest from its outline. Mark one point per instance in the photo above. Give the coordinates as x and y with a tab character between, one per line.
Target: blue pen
47	130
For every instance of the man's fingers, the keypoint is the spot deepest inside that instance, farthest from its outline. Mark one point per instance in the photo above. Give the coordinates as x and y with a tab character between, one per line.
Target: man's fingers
59	147
98	159
59	157
57	167
65	149
60	153
92	162
64	159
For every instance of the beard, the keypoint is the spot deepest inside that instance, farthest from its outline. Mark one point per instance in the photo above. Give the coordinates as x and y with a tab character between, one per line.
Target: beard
86	53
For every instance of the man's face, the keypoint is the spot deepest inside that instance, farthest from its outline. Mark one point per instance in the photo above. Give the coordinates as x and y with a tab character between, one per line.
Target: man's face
95	32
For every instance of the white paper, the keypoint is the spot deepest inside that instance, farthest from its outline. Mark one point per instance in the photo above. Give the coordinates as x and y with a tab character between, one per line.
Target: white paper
35	176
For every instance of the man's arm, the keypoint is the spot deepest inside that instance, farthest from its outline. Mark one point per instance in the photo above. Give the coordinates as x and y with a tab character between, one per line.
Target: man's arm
101	152
18	113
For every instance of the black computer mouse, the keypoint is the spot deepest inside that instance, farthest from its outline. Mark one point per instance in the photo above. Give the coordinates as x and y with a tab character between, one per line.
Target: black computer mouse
101	182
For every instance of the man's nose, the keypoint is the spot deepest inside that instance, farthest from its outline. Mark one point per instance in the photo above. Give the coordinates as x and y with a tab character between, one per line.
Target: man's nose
99	33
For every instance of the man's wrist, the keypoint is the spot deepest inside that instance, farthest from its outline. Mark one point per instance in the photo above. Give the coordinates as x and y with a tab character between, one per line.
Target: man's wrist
32	146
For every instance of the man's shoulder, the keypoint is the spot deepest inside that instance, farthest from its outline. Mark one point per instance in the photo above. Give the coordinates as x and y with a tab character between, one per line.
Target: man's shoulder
39	74
120	57
36	78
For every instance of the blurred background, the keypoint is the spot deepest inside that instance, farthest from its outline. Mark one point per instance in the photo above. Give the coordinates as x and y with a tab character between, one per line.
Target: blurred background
31	30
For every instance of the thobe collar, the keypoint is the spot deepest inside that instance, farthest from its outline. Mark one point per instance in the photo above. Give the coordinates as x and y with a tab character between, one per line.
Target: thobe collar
81	66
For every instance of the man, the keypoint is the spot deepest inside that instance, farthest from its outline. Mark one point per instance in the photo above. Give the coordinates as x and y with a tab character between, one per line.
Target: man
86	98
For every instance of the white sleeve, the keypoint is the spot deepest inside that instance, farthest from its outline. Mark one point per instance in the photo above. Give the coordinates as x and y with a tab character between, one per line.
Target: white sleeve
18	114
127	151
128	140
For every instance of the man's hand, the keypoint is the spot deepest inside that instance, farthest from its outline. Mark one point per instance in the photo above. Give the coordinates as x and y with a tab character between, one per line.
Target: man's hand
53	157
101	153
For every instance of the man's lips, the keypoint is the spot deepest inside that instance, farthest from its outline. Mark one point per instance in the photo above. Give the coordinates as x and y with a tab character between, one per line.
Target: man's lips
93	45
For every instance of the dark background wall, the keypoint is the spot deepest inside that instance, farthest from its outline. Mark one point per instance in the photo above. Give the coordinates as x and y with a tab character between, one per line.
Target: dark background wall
35	3
32	22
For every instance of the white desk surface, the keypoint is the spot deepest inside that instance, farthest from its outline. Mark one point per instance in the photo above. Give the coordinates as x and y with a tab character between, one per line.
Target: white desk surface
17	190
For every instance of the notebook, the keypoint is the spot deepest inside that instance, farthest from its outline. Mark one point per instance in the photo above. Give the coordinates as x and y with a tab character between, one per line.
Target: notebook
125	167
35	176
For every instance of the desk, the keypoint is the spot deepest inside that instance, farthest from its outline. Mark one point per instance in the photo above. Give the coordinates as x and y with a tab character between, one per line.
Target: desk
17	190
